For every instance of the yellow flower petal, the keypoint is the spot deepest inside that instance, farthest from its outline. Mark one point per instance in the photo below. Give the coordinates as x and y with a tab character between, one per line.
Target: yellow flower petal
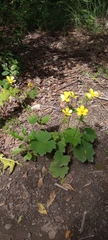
65	96
67	111
73	95
30	84
10	79
92	94
88	95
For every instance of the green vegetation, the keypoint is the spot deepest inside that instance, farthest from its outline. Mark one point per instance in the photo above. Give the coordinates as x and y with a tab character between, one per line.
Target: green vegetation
17	17
49	15
78	142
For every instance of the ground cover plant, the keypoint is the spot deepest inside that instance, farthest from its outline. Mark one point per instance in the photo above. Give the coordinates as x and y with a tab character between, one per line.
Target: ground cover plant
49	15
80	142
54	119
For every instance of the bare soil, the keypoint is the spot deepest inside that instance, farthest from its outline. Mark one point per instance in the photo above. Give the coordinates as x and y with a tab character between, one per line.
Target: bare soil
55	62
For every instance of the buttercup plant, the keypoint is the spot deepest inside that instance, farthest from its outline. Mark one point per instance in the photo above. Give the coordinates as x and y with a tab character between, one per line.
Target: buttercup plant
63	143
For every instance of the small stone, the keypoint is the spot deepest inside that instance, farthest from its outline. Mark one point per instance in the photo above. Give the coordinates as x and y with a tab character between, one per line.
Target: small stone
8	226
12	215
104	222
39	167
29	235
52	234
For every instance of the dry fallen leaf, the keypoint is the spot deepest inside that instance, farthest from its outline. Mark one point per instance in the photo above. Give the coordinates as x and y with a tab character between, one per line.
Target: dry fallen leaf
1	204
44	170
36	106
40	182
67	234
25	175
69	178
41	209
20	219
68	199
68	186
51	198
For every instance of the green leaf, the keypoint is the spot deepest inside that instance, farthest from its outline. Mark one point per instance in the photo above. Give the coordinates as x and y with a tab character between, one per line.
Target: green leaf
33	119
32	93
32	135
17	150
24	131
9	163
59	167
5	73
73	136
16	135
28	156
43	143
13	67
61	146
89	134
84	151
45	119
55	135
43	136
41	147
13	91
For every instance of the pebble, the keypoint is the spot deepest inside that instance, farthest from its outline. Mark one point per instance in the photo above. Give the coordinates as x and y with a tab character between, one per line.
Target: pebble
104	222
39	167
8	226
29	235
52	234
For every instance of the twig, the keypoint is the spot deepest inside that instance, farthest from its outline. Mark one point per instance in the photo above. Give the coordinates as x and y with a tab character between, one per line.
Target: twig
87	184
103	98
103	104
86	237
58	185
83	222
97	171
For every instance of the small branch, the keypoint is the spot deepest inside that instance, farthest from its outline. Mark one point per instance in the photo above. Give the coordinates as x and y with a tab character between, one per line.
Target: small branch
86	237
87	184
83	222
58	185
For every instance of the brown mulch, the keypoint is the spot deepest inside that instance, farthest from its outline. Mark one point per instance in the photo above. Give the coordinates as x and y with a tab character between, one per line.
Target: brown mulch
55	62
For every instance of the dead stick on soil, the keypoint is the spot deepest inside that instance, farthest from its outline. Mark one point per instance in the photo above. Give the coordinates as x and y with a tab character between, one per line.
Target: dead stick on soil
86	237
58	185
83	222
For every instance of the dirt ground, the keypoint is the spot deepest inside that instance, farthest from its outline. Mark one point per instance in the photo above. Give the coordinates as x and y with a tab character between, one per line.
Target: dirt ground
55	62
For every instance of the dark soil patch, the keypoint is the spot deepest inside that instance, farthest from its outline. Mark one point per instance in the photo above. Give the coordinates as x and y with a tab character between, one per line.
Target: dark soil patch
55	64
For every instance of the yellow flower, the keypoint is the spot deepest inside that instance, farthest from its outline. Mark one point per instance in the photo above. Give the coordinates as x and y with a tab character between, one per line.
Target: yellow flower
73	95
67	111
10	79
92	94
30	84
65	96
82	111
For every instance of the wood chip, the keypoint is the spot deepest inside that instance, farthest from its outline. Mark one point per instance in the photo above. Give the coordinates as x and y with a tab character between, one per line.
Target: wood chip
40	182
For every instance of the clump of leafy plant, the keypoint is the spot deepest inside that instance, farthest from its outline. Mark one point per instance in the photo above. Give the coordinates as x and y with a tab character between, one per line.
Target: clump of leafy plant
9	64
10	71
79	141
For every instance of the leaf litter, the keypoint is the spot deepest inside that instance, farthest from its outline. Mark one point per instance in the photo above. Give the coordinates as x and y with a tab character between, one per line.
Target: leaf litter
51	198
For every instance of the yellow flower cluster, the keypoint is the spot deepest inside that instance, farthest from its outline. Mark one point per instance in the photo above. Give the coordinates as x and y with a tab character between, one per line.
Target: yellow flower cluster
67	95
82	110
